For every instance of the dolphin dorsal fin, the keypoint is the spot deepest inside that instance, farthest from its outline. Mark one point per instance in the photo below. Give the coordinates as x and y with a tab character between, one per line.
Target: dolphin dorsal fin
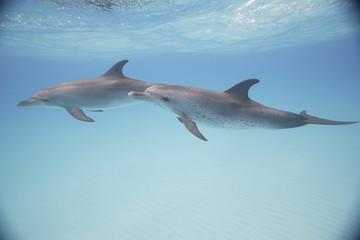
242	89
116	70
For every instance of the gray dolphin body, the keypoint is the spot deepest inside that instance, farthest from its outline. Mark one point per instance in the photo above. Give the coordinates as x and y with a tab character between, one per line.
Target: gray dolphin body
232	109
107	91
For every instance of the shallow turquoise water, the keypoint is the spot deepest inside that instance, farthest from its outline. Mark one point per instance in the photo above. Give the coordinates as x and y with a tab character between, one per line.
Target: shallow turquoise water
137	173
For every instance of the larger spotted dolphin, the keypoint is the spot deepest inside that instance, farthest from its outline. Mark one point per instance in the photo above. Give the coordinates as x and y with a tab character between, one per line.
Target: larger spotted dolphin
232	109
107	91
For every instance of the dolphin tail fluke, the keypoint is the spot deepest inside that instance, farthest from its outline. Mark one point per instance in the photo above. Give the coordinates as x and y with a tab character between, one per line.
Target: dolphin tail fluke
315	120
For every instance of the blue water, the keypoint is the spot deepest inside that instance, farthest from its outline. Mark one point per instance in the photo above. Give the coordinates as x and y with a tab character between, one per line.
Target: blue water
136	172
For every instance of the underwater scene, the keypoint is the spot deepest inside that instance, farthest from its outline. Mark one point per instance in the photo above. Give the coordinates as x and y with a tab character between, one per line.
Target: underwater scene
193	120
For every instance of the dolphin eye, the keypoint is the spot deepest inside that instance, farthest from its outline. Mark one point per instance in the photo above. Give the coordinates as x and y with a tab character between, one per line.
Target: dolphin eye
165	98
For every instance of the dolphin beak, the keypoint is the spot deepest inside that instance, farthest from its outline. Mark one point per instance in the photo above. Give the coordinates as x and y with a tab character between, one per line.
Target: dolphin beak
139	95
25	103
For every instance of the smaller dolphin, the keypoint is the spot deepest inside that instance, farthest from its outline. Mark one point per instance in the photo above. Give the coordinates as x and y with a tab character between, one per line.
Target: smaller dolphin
232	109
107	91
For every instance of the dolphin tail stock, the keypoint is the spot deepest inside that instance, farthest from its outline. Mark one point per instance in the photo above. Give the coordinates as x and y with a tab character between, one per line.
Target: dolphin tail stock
315	120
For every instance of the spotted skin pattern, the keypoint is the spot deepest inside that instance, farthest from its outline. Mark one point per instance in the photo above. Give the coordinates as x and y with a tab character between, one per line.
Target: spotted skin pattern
232	109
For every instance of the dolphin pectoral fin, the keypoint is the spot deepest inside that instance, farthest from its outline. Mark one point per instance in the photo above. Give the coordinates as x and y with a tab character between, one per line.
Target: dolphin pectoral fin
95	110
78	114
315	120
191	126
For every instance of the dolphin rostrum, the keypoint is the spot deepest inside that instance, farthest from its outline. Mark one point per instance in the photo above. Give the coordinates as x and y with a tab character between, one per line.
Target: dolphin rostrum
107	91
232	109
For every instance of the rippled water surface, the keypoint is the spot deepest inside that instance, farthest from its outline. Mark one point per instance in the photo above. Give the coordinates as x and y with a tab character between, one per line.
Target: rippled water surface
153	26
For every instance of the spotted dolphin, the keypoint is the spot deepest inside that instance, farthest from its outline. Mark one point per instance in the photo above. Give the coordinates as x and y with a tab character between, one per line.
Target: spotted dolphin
231	109
107	91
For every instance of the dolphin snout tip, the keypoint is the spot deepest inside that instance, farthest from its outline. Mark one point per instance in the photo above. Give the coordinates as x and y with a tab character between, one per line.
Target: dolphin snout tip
131	94
21	103
28	102
137	94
